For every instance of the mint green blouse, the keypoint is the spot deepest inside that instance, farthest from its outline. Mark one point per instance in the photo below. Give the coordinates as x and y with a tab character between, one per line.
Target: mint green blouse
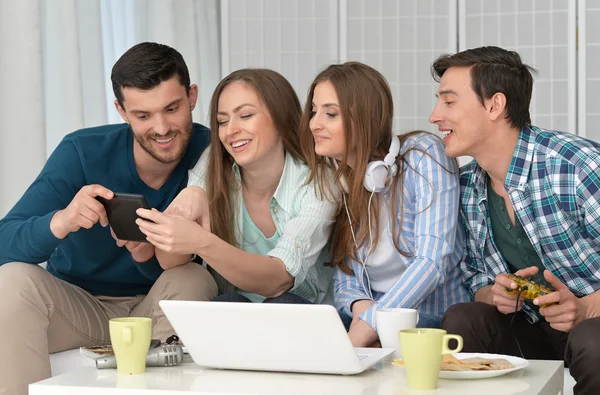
303	223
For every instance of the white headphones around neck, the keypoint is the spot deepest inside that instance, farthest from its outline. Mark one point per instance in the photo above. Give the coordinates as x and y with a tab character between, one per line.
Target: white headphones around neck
378	172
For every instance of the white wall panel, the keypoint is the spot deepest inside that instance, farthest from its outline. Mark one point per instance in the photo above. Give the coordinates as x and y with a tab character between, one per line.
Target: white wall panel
589	68
297	38
542	31
401	39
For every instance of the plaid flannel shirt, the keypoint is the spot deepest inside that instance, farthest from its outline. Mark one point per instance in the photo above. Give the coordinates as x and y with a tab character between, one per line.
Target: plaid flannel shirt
554	185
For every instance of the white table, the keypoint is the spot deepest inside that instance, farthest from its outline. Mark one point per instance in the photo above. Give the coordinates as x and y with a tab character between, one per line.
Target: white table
540	377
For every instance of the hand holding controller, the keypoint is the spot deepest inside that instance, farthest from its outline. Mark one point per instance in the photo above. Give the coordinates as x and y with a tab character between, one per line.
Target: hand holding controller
528	289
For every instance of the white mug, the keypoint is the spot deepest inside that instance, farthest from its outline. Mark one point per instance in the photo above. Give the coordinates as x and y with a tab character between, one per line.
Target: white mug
391	321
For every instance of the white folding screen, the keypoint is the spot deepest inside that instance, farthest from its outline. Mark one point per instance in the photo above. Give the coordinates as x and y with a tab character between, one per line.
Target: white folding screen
297	38
589	68
401	39
300	37
543	32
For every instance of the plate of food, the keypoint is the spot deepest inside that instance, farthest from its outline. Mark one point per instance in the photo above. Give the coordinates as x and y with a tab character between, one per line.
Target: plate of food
476	365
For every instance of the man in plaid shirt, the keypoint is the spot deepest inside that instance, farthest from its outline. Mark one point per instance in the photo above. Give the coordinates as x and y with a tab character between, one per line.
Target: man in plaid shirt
530	205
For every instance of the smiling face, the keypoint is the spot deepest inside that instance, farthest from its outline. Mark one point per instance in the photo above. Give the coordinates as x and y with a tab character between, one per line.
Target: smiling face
246	128
160	118
459	114
326	123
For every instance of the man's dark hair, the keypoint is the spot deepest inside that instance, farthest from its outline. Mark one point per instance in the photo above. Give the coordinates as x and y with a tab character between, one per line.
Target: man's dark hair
145	65
494	70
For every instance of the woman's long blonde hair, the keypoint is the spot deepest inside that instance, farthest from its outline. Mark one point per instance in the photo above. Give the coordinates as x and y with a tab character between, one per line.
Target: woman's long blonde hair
283	106
367	110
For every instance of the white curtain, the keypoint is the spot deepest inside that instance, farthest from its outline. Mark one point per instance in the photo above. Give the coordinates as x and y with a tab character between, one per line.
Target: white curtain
22	126
55	69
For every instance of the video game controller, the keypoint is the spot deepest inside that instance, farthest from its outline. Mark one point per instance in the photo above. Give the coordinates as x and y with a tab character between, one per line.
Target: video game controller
532	291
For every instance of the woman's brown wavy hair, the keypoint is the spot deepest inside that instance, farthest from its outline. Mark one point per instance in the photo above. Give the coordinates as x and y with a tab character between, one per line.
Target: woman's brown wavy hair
283	106
367	110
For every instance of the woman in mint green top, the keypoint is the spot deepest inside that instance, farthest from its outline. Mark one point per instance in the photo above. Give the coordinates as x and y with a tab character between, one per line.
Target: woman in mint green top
248	211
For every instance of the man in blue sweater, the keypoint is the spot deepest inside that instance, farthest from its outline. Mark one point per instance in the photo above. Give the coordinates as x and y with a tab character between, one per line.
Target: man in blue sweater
91	277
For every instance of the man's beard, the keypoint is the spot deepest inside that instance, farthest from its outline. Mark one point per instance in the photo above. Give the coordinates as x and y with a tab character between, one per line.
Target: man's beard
183	135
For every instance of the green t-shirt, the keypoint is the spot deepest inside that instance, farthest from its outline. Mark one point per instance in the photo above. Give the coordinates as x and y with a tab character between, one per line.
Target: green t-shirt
511	240
254	241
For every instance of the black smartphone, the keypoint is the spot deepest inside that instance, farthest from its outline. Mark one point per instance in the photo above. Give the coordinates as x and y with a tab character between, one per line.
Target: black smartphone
121	215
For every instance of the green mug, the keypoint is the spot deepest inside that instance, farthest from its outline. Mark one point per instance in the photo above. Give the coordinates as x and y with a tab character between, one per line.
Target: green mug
130	338
422	351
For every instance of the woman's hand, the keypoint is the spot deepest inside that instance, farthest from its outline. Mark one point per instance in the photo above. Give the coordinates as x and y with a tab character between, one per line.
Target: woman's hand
192	204
362	334
171	233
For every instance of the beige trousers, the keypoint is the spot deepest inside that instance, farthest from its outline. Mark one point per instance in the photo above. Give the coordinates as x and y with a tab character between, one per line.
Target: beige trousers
41	314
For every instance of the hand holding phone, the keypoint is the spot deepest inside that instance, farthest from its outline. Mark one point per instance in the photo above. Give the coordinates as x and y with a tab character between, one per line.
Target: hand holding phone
121	213
172	233
84	211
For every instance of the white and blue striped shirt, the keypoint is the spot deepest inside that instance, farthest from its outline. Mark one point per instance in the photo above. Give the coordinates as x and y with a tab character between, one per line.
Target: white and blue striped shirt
430	278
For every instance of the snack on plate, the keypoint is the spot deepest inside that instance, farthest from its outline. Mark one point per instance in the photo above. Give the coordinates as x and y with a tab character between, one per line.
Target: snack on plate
451	363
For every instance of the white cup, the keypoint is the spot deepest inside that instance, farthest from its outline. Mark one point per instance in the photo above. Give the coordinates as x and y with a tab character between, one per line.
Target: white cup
390	322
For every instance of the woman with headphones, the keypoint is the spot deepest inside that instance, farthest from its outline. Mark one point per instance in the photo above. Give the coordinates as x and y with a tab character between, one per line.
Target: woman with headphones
396	241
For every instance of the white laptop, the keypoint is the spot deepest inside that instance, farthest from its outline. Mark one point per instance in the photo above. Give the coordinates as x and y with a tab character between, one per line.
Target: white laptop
268	337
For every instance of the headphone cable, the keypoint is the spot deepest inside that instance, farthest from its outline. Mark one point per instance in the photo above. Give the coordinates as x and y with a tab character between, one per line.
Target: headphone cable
363	260
513	320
